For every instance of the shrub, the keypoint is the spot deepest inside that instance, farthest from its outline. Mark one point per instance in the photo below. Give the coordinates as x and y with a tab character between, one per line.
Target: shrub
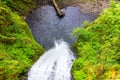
18	49
98	47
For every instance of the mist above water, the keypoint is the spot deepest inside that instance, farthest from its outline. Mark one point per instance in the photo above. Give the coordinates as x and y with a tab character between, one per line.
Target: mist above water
47	27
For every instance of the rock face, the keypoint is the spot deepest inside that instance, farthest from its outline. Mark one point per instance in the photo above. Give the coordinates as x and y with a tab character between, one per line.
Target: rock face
86	6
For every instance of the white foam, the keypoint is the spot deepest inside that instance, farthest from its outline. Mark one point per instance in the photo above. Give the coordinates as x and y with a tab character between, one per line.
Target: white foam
54	64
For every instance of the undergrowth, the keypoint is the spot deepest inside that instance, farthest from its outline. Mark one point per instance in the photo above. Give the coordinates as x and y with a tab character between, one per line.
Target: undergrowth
98	47
18	49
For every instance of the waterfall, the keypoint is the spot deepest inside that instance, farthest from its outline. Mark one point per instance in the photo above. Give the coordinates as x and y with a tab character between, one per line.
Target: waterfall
54	64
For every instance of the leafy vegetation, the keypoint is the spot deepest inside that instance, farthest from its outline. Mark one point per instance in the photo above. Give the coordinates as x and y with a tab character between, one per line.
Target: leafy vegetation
18	49
22	7
98	47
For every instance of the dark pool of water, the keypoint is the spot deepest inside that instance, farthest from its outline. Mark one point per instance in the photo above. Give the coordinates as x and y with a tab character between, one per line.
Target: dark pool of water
47	27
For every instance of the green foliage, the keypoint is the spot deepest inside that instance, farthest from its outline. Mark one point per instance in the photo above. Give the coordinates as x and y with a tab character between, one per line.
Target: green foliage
18	49
98	47
20	6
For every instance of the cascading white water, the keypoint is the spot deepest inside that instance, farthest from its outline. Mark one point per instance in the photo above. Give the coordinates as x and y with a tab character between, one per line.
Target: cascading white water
55	64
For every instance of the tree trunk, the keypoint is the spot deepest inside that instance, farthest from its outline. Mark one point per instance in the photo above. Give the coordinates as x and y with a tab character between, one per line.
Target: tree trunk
58	11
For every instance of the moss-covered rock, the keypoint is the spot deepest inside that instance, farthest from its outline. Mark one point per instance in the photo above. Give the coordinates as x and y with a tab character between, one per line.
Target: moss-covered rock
98	47
18	49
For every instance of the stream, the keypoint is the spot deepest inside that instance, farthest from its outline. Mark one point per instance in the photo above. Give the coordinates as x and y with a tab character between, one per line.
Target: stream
55	64
54	34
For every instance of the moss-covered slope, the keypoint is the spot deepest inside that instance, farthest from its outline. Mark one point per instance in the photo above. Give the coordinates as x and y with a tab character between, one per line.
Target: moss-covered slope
98	47
22	7
18	49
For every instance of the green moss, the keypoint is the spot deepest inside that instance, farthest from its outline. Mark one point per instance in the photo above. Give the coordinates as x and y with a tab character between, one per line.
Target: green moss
22	7
18	49
98	47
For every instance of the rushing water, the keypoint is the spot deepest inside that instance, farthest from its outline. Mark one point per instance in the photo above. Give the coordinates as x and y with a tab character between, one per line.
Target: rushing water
47	28
55	64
